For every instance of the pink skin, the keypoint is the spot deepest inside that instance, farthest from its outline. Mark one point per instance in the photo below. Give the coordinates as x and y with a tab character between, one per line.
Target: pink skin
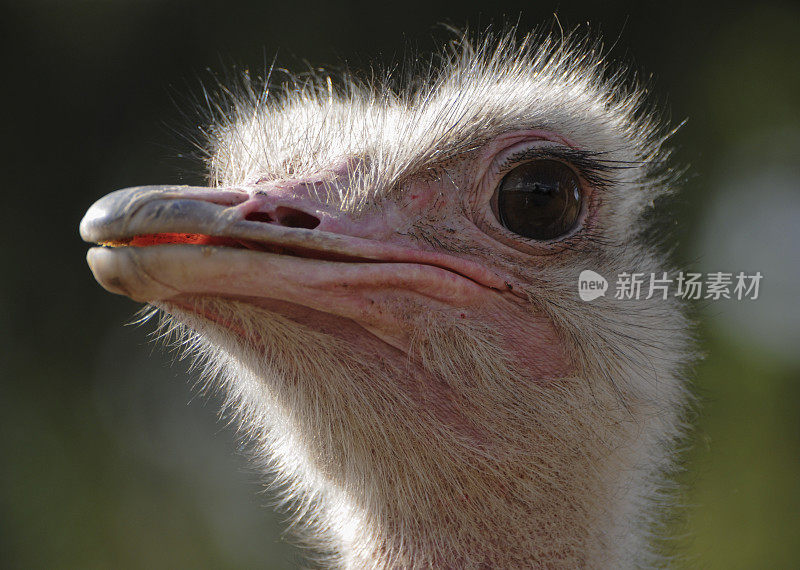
374	271
425	390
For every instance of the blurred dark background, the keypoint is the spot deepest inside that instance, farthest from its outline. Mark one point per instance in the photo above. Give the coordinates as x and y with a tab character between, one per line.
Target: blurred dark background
109	459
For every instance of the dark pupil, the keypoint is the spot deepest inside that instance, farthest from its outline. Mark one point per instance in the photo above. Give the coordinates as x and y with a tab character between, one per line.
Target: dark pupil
540	199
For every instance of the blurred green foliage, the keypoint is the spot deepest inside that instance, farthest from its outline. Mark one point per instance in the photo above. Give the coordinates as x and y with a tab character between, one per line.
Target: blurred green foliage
103	463
742	479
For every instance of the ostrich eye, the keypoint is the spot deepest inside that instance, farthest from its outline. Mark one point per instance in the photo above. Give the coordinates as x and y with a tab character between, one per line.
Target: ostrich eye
539	199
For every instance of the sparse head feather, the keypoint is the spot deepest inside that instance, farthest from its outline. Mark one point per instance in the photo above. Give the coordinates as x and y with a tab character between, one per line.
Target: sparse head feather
563	84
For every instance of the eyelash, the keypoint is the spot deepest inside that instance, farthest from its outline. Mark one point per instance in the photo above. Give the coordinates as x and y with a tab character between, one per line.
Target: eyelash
587	164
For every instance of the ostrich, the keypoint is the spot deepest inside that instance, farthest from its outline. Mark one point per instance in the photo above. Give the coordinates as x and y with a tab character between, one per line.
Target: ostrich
384	283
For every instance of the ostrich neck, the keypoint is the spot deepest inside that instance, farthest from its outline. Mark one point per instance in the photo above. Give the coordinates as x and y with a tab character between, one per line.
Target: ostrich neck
534	513
396	493
400	465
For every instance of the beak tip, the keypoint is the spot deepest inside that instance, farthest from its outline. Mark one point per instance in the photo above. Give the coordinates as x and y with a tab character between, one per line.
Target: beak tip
118	271
107	270
101	215
89	223
113	207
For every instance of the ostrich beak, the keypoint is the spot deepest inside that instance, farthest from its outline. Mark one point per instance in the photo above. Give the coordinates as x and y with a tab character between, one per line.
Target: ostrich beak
161	242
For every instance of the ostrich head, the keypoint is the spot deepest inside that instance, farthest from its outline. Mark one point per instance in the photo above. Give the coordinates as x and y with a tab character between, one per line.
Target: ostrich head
385	284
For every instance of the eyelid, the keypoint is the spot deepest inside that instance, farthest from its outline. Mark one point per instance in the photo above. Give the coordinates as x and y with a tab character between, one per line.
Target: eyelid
586	164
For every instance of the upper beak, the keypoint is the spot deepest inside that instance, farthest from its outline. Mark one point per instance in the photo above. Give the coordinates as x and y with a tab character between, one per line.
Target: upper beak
165	241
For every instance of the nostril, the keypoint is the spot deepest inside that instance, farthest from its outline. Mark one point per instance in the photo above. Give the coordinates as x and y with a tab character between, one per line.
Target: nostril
284	216
259	217
292	218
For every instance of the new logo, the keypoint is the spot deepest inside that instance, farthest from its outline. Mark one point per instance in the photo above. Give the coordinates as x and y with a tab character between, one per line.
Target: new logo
591	285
